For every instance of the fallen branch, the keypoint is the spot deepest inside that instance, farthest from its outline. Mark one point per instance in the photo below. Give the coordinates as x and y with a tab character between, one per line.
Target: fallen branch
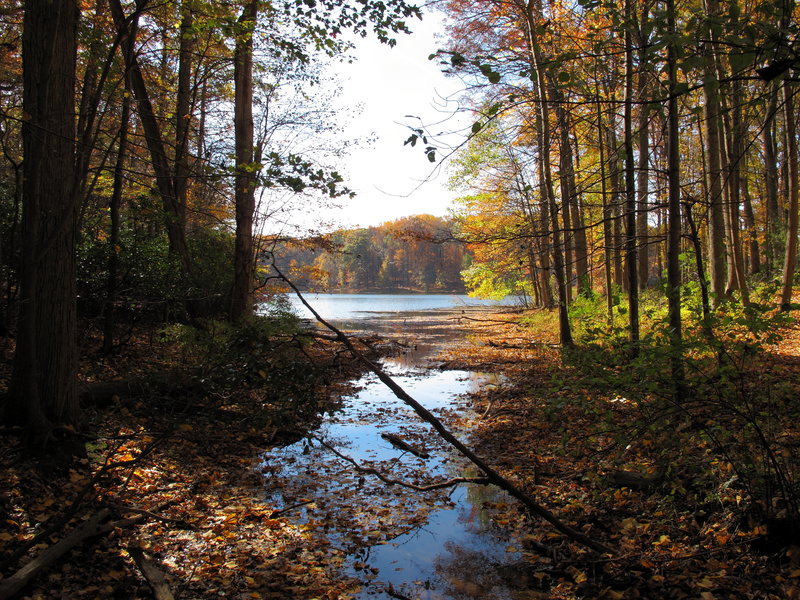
401	444
389	590
75	505
277	513
121	508
389	481
503	321
152	574
494	476
92	527
527	345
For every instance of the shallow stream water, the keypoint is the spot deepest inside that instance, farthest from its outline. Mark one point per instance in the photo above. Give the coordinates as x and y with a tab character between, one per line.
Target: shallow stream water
399	543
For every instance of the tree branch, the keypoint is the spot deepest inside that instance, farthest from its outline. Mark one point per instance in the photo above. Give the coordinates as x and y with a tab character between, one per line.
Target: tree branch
494	476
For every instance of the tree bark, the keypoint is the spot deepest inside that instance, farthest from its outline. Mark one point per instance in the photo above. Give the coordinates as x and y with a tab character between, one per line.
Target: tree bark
643	178
631	257
716	217
607	241
165	182
113	238
674	211
736	276
771	176
43	386
183	109
245	183
790	255
570	199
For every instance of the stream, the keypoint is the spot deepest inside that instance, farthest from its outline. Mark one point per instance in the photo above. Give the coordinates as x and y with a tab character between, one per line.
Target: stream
400	543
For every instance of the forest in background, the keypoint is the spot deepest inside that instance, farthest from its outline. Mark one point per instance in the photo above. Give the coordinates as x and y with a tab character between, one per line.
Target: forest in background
412	254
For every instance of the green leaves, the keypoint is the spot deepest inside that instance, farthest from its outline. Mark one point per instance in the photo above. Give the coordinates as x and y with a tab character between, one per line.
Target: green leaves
297	174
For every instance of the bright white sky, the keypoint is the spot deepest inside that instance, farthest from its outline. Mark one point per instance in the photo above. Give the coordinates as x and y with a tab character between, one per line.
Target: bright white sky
390	83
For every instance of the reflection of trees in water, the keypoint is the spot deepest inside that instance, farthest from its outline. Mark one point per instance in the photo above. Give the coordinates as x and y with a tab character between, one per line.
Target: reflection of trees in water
466	573
479	519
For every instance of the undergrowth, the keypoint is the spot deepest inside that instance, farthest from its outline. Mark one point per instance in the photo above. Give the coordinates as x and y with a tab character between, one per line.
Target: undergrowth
262	364
733	436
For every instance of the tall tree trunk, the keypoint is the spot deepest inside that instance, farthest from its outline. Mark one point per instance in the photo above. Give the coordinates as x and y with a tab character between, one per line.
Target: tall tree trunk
43	385
643	179
631	263
607	241
113	238
165	181
674	210
570	199
545	176
245	184
774	220
716	207
183	109
736	279
790	256
615	207
754	253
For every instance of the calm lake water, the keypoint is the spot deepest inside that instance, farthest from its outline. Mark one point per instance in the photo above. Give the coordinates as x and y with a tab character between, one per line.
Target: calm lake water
364	306
440	545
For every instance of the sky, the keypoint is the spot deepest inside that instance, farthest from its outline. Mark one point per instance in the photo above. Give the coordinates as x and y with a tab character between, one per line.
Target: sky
393	180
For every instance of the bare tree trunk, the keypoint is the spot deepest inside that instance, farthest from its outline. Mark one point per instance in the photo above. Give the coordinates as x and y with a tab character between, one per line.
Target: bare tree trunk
601	138
165	181
774	220
754	253
735	157
113	238
543	118
573	217
643	179
615	175
43	385
674	210
245	184
716	217
790	256
631	258
183	109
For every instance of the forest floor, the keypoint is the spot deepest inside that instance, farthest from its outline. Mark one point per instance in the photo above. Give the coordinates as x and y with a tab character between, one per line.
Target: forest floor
180	477
660	494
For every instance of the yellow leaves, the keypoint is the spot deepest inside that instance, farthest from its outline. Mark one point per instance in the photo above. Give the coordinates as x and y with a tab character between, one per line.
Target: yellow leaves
185	427
629	525
722	538
706	583
76	477
647	563
577	575
662	541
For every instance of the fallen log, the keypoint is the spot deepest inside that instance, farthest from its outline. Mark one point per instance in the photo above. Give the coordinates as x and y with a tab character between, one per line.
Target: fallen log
412	486
401	444
493	475
92	527
152	574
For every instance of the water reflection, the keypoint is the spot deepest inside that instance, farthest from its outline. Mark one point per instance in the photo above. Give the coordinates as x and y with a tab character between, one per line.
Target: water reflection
402	543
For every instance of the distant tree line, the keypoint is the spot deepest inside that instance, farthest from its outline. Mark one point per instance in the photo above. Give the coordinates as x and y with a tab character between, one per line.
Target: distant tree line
409	254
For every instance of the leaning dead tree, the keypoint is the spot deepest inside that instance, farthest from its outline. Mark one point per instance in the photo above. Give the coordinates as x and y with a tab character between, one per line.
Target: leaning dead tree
489	472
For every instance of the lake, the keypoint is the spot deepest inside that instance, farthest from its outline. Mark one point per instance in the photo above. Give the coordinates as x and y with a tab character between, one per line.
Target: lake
339	307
